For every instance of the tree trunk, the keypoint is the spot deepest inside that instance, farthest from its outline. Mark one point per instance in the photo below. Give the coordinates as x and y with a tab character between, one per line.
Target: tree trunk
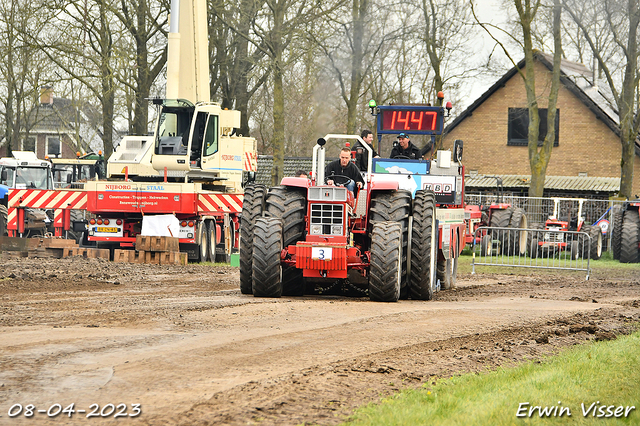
278	95
358	13
628	131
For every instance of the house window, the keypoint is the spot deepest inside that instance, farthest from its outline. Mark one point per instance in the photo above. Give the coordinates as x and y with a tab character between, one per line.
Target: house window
53	146
519	126
29	144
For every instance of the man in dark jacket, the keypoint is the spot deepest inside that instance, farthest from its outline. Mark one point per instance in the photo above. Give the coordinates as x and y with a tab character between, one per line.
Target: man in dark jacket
344	167
405	148
362	155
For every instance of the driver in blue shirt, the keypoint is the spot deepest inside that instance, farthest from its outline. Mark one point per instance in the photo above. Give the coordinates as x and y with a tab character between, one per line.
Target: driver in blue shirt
344	167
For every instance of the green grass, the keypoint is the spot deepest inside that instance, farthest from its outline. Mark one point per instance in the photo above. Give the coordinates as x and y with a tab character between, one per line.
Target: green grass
608	372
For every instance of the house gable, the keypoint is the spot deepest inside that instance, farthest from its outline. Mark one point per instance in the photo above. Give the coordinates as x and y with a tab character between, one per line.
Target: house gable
588	138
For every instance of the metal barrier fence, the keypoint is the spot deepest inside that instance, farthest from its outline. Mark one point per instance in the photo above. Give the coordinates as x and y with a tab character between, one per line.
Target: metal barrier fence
534	248
539	209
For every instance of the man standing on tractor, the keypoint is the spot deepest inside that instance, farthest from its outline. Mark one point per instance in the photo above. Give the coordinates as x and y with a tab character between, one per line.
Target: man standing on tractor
344	171
405	149
362	155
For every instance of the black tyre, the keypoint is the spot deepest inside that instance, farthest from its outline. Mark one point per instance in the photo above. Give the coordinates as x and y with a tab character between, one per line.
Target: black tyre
575	250
3	220
501	219
486	246
516	241
211	241
448	273
252	208
386	262
290	205
591	246
203	241
629	252
394	207
267	246
616	230
533	238
423	247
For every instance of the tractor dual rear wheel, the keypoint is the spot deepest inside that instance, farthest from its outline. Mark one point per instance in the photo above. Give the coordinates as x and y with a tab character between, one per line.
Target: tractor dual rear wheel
385	271
290	205
394	206
267	246
423	247
252	208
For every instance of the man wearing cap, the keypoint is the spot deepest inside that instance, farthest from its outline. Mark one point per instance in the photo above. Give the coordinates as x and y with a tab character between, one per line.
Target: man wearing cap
405	148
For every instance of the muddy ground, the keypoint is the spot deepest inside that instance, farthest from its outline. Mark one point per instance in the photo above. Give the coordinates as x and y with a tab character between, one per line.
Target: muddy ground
191	350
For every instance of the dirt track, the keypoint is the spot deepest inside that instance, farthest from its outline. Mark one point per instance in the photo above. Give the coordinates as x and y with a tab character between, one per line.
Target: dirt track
190	349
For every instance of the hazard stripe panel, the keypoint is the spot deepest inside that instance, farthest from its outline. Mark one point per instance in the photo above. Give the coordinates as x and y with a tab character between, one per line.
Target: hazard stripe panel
43	199
215	203
251	161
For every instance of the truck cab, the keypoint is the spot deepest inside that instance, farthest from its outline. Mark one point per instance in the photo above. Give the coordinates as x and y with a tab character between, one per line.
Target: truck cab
26	172
192	143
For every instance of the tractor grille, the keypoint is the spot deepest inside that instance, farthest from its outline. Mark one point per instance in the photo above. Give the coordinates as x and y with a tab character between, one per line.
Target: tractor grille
554	237
327	219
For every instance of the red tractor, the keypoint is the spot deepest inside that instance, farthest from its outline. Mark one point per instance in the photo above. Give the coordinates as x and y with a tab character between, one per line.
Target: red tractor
305	235
555	238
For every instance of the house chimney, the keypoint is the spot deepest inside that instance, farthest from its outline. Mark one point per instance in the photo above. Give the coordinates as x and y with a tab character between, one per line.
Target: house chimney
46	95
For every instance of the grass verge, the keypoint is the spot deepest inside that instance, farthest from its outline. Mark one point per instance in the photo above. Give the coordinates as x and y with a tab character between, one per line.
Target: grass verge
604	373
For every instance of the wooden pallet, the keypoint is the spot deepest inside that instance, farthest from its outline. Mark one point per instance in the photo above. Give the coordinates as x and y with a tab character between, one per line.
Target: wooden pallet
157	244
86	252
125	256
162	257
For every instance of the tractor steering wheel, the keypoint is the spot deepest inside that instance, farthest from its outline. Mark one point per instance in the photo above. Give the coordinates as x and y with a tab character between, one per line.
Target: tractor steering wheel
339	180
401	157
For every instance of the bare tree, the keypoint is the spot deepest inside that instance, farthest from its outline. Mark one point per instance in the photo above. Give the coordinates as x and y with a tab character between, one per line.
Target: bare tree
622	19
538	156
22	69
144	21
235	71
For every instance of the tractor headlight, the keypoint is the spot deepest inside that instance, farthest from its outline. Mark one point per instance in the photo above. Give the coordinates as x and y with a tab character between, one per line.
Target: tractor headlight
316	229
336	229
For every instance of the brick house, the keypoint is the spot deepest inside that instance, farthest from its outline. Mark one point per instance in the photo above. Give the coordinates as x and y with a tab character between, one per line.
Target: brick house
57	128
586	155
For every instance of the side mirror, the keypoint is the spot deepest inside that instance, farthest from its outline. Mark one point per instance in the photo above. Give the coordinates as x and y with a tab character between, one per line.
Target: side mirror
4	175
69	178
458	145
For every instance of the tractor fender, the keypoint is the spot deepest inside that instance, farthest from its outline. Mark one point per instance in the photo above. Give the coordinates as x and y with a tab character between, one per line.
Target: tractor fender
298	182
383	185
